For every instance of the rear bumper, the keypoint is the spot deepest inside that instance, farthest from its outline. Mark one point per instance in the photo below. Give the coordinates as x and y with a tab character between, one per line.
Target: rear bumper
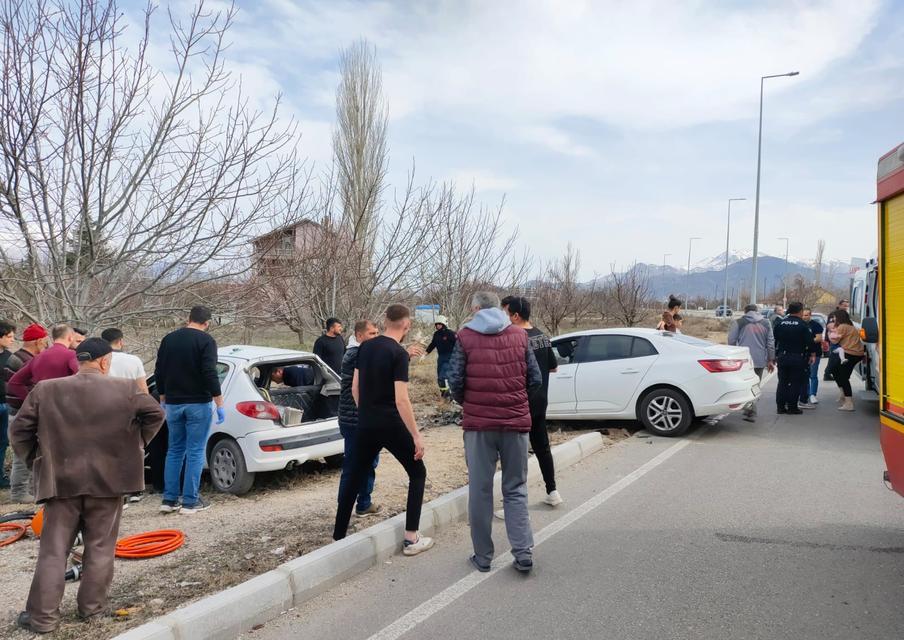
292	446
735	394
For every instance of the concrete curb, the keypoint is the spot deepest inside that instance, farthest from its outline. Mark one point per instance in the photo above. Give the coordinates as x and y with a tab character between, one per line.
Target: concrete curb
229	613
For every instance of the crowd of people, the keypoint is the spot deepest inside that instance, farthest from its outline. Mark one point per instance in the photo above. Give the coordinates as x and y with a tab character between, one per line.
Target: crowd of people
794	344
82	417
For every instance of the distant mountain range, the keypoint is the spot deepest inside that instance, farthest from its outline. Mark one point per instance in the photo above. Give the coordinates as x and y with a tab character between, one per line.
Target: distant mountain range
707	277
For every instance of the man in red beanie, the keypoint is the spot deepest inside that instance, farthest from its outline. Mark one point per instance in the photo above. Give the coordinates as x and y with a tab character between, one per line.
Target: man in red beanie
58	361
34	341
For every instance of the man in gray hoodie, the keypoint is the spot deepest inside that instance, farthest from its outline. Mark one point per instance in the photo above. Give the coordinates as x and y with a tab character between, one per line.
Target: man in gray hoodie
492	373
754	331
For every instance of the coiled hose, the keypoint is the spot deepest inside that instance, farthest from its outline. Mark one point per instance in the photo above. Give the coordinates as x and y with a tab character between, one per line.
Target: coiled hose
150	544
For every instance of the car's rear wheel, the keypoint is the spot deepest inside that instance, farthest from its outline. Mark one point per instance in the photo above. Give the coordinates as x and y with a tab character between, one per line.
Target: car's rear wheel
665	412
228	471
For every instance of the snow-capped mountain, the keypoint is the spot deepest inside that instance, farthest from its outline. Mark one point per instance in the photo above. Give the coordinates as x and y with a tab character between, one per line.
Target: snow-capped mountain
717	262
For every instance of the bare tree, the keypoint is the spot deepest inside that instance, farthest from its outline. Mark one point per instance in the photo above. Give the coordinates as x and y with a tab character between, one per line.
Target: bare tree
360	154
818	262
629	295
123	188
473	252
559	292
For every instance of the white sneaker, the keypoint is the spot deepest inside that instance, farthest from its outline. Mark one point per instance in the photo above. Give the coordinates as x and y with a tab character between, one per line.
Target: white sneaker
500	513
413	548
814	400
553	499
805	405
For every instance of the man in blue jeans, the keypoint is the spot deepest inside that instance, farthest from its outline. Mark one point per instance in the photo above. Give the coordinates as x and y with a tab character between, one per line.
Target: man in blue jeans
188	384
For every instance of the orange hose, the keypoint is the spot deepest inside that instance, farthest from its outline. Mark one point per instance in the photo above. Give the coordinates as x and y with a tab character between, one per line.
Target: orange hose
150	544
19	530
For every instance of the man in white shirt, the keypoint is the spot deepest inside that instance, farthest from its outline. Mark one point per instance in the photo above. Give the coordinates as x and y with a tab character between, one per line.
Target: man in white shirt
124	365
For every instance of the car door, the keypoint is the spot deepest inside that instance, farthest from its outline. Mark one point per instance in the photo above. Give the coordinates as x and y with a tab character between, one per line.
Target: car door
562	400
610	368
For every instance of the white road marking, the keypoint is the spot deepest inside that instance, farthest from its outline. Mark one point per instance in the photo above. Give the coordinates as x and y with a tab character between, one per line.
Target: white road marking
449	595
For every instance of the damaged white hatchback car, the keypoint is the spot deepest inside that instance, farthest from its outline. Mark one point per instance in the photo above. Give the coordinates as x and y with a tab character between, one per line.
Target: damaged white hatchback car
268	426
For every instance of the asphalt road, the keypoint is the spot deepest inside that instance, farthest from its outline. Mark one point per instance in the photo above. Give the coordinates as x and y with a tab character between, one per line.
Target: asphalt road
781	529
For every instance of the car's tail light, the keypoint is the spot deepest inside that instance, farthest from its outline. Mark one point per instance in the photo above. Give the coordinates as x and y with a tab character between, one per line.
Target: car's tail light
259	410
722	366
271	447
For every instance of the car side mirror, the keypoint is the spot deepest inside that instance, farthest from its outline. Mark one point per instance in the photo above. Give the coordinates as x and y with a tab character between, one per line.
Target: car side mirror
869	330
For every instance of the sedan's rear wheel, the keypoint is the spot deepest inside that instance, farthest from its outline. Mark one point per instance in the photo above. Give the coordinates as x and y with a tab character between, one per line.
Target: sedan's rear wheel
228	472
665	412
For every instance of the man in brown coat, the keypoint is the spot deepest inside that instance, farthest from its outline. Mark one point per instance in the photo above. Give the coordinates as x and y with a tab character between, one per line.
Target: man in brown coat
84	437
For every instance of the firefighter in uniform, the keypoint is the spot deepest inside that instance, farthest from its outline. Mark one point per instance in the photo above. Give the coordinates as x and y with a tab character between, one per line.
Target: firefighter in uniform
794	351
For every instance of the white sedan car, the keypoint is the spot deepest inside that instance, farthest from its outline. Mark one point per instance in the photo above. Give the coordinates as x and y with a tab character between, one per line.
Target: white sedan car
268	427
662	379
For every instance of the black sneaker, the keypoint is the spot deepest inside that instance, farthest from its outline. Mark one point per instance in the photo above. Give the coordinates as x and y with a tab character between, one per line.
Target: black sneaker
478	566
169	506
781	410
524	565
794	412
200	505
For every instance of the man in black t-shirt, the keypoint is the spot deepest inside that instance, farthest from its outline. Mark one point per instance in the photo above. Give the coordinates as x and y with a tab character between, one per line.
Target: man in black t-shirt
386	420
519	311
330	347
187	380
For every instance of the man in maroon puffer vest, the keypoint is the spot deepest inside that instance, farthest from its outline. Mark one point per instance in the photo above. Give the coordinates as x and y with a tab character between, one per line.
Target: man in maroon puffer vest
492	372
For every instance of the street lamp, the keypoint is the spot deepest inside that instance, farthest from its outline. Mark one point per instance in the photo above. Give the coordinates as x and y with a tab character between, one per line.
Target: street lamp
664	256
727	237
687	296
756	210
785	278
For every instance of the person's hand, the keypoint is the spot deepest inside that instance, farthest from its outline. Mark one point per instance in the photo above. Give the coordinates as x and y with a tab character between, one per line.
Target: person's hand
416	350
221	415
419	447
770	366
812	358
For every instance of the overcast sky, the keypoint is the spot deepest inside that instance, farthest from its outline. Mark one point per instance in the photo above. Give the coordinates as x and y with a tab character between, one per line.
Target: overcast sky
621	127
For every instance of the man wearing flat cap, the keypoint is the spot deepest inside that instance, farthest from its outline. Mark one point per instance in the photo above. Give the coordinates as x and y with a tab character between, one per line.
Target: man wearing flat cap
84	437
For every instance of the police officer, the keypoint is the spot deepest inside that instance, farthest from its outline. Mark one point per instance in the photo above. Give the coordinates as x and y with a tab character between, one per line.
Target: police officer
794	351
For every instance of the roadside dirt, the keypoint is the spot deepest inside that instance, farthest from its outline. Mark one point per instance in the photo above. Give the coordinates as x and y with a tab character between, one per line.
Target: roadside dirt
286	515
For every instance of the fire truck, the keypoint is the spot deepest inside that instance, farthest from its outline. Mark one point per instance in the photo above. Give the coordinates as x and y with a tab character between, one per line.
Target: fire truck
887	331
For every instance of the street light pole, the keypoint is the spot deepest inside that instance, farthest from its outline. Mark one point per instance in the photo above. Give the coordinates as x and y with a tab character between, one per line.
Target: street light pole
756	210
687	296
727	237
785	278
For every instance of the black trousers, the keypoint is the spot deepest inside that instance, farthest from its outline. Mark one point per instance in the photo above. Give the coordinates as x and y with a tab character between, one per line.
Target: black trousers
400	444
843	374
539	442
793	371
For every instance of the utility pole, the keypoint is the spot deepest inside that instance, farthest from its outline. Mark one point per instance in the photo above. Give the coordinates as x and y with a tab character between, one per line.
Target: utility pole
756	213
785	278
727	239
687	296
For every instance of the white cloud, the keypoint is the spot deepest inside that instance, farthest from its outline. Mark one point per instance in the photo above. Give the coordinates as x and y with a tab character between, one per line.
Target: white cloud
556	140
483	180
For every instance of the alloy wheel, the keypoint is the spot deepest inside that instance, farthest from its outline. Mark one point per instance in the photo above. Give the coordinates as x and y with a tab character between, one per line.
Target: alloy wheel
665	413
